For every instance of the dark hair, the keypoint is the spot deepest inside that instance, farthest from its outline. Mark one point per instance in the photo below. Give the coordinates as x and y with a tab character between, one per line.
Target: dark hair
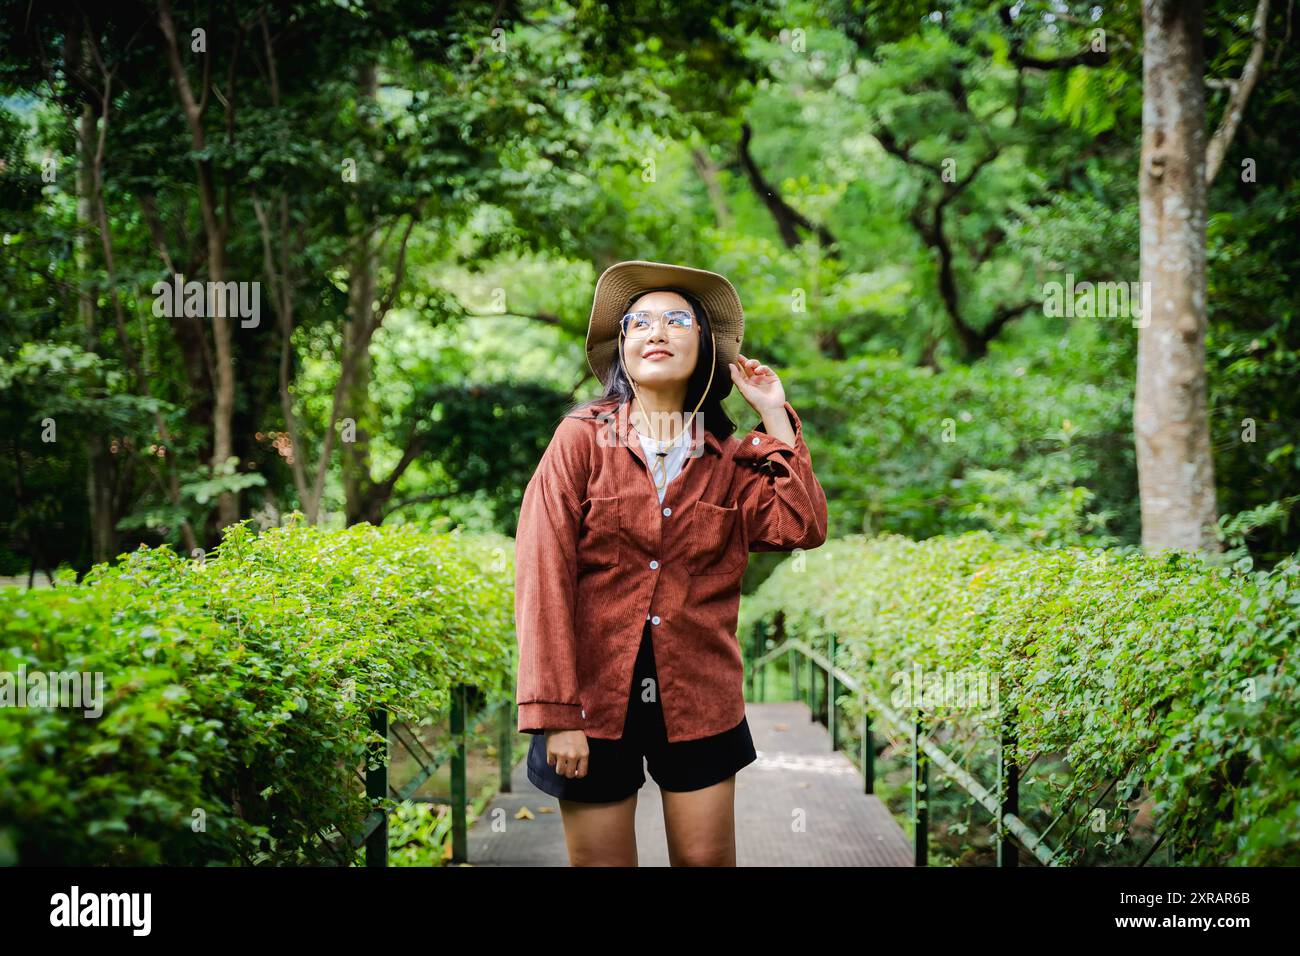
716	420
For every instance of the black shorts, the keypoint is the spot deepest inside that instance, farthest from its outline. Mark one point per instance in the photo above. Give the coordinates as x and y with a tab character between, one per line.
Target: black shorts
616	768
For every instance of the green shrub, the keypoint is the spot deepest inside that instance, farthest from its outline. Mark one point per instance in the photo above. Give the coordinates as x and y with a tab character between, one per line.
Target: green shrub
237	689
1173	675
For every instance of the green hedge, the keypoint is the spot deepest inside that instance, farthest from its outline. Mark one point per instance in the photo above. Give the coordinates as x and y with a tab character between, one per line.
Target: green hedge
237	689
1175	675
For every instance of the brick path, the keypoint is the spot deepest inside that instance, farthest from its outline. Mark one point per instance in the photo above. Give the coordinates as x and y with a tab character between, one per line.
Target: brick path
796	778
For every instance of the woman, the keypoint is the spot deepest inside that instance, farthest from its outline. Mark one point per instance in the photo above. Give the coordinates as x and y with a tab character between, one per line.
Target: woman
634	533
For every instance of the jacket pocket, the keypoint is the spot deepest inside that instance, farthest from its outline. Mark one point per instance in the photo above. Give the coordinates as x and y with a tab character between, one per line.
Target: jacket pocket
598	540
717	545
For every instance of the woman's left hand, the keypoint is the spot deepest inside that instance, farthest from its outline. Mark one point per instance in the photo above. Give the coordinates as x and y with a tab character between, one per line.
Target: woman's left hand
758	384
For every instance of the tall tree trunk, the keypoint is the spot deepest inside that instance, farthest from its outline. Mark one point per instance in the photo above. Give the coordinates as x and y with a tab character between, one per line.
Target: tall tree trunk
214	228
357	406
361	298
223	415
99	470
1170	417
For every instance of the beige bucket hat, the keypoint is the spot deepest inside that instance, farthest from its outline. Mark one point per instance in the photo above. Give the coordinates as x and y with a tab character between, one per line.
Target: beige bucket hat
622	282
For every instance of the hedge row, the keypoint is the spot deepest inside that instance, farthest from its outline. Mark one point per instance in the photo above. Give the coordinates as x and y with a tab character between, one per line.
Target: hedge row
237	689
1172	674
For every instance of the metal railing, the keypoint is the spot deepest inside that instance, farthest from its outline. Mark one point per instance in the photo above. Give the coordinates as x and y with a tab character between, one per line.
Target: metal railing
1012	831
380	788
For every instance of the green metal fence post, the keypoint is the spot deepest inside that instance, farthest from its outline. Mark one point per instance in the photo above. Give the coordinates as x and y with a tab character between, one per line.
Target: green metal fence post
753	656
868	756
505	748
823	701
793	663
459	790
812	689
920	795
1009	783
377	787
830	697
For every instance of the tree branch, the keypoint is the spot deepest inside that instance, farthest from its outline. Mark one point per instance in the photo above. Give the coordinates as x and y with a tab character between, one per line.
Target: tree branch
788	219
891	145
1241	91
708	173
278	281
974	341
348	364
1024	61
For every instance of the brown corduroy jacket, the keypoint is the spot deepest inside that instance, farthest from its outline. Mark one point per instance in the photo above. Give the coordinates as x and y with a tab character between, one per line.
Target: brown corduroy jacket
597	556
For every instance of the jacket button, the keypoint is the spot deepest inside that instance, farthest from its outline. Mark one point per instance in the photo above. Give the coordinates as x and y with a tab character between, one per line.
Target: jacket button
655	619
667	512
753	441
654	565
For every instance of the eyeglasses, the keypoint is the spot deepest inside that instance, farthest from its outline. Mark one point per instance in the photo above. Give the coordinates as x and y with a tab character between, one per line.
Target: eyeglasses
637	325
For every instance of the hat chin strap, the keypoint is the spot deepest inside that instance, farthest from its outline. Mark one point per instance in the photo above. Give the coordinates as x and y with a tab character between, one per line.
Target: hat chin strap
637	395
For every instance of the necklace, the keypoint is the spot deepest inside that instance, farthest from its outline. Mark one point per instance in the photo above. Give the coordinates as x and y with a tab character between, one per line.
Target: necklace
660	460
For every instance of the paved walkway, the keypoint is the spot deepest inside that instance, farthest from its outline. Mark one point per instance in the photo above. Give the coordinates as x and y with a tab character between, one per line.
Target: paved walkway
799	804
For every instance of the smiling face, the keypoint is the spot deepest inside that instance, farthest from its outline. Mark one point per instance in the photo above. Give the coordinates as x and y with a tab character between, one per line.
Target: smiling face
659	359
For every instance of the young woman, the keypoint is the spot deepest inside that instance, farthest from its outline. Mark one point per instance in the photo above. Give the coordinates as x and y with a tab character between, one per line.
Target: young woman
634	533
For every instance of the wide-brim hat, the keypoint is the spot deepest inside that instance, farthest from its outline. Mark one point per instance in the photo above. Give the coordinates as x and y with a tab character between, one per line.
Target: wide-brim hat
620	284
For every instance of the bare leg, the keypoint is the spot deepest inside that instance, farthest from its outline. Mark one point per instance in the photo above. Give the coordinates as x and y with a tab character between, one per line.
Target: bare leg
600	834
701	825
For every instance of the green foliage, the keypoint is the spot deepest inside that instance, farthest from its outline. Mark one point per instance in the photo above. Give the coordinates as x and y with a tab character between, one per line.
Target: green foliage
1174	676
237	689
1022	443
1237	528
519	141
419	834
55	399
1253	354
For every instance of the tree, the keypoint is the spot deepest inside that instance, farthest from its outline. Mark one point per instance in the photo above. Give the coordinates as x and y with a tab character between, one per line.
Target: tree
1170	411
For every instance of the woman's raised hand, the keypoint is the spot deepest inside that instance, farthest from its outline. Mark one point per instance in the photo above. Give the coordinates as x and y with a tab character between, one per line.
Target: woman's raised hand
759	385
